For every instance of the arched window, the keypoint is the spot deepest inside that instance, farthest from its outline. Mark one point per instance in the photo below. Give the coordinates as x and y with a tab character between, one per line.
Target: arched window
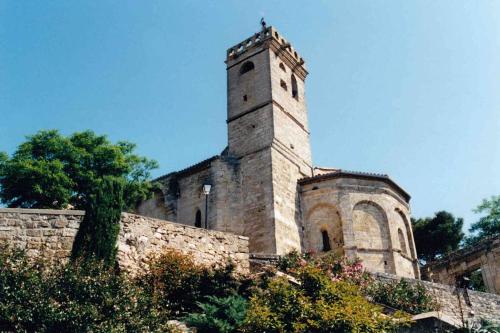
282	67
246	67
402	243
197	221
326	241
406	229
295	90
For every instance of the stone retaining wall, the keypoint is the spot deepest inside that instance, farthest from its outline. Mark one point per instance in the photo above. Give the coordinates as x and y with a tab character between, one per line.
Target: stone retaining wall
43	233
141	236
453	304
49	234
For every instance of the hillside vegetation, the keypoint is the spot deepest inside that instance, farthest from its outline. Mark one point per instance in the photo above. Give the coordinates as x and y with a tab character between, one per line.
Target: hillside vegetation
325	294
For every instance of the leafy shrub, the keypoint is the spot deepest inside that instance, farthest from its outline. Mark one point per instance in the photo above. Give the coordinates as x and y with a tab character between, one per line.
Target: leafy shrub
84	296
412	298
317	304
291	261
22	299
222	282
176	283
222	315
172	280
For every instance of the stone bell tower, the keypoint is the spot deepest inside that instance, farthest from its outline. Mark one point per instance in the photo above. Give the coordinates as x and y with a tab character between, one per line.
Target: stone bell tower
268	132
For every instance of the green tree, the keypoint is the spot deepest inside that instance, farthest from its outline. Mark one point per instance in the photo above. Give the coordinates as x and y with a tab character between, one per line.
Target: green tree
489	224
437	236
97	235
50	170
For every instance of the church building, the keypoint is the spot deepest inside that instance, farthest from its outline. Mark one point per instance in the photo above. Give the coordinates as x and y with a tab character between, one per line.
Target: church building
264	184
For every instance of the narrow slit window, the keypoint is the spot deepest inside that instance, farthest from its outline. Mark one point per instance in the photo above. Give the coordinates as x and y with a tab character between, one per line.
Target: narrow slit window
282	67
402	242
326	241
295	90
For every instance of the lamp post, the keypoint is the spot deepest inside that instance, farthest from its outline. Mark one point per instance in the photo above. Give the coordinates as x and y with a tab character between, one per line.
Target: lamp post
206	191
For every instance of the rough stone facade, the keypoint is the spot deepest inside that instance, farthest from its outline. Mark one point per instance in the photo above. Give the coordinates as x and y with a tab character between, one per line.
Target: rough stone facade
485	256
264	184
462	306
49	234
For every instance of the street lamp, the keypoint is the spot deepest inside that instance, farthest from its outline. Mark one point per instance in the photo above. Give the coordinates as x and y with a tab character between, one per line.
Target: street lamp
206	191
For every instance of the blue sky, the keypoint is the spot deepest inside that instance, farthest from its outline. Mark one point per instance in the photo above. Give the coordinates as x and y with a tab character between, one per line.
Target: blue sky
407	88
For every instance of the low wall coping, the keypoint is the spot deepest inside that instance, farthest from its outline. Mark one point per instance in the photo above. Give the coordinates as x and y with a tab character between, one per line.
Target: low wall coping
210	231
43	211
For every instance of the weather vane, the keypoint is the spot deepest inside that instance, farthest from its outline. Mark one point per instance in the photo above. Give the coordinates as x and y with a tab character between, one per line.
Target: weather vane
263	23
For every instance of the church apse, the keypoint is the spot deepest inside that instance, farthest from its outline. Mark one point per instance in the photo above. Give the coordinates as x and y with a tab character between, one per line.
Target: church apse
369	209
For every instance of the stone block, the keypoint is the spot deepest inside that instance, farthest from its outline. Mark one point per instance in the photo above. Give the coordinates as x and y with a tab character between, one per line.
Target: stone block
34	233
60	223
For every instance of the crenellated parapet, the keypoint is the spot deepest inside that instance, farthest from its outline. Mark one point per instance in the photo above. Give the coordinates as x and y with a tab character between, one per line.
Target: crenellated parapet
268	38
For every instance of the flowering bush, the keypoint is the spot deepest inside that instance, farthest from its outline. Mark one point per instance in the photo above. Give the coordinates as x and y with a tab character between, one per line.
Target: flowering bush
412	298
399	295
341	269
337	268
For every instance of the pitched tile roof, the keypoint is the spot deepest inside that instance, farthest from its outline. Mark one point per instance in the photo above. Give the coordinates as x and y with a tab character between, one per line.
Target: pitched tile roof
355	174
191	169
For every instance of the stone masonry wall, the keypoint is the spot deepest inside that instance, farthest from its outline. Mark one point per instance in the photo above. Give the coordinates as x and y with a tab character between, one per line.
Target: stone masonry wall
50	233
141	236
44	233
453	304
